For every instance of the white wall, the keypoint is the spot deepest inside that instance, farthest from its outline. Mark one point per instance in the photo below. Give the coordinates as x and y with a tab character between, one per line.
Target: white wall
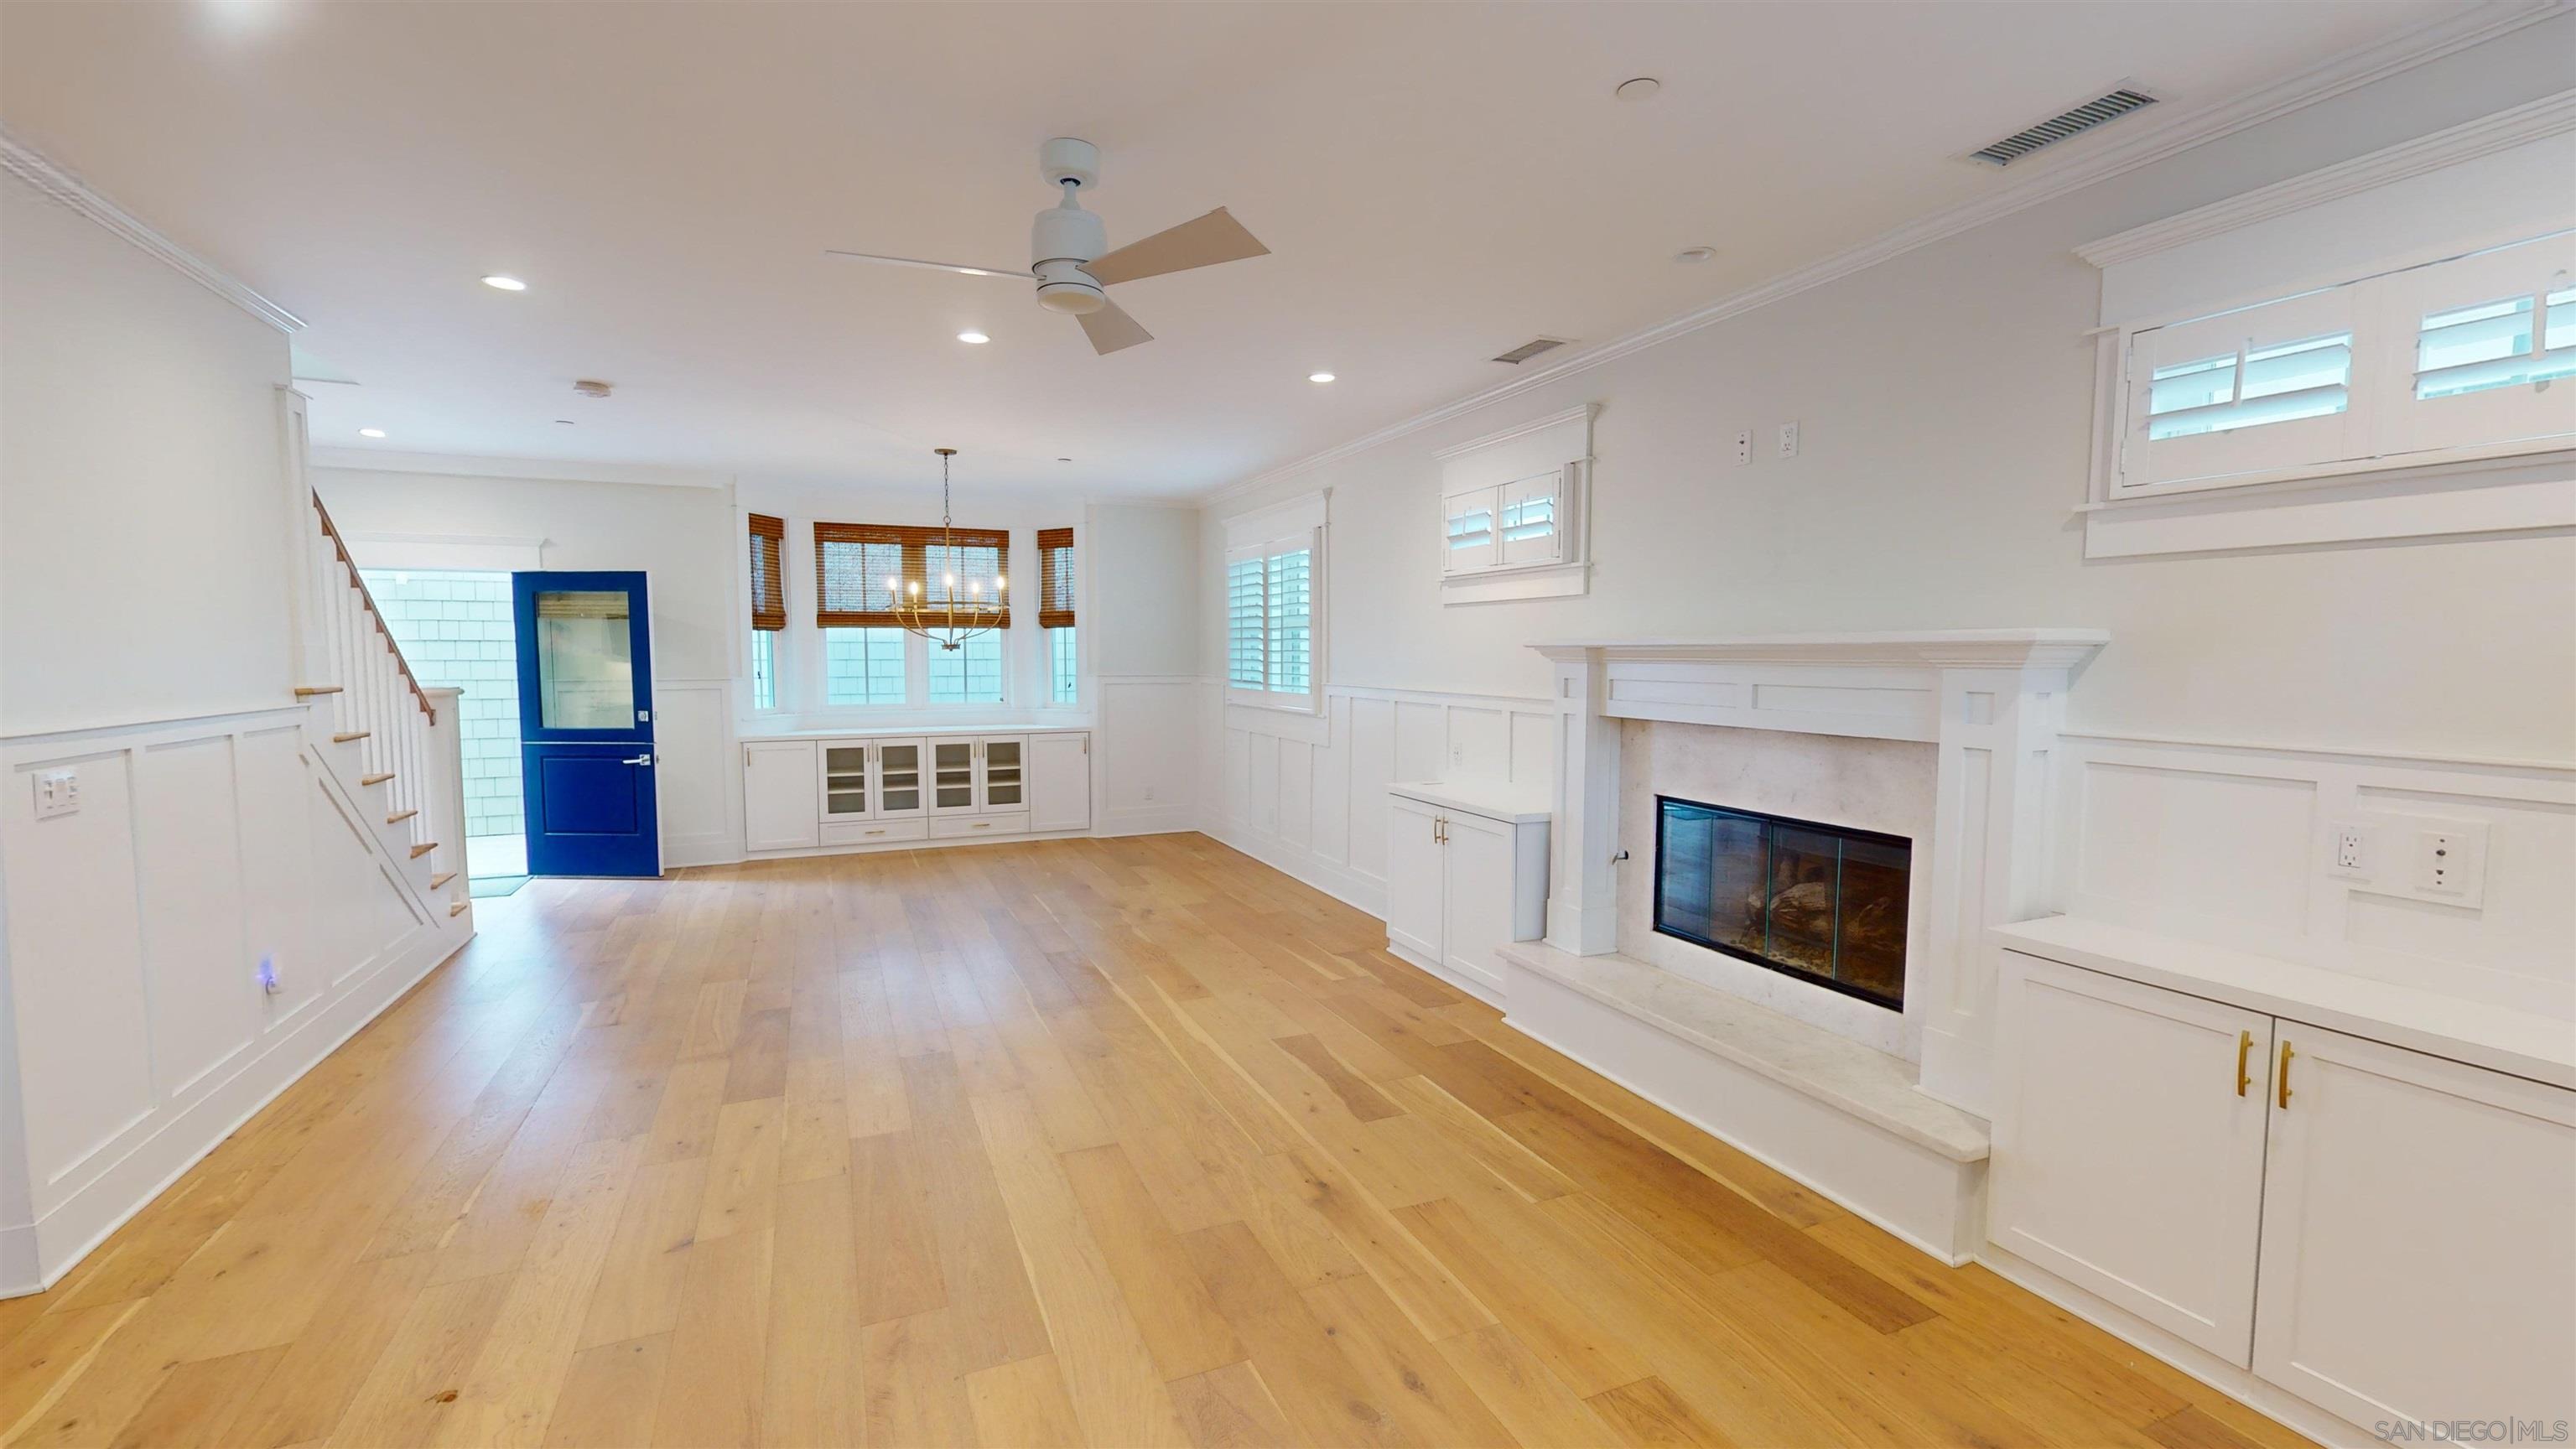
1140	620
144	580
138	444
1945	404
1945	401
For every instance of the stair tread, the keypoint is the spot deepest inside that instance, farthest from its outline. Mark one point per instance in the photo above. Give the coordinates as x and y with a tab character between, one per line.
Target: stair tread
455	908
376	779
345	736
399	816
424	848
307	691
442	878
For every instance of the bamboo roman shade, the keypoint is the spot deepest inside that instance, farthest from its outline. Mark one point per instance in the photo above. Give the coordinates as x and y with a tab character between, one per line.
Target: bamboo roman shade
1055	578
768	582
852	562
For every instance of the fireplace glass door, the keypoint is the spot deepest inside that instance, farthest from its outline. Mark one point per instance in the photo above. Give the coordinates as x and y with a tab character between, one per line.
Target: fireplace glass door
1820	902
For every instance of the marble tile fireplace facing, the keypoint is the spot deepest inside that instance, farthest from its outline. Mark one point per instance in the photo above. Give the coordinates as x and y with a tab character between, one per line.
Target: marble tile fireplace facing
1942	738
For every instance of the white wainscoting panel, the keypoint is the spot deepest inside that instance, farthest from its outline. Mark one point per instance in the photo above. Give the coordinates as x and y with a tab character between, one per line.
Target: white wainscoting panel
1144	754
2236	845
135	930
696	788
1308	796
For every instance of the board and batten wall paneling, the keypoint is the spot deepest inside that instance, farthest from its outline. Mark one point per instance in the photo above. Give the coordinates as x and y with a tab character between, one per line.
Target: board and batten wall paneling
698	781
1144	754
2235	845
135	929
1308	795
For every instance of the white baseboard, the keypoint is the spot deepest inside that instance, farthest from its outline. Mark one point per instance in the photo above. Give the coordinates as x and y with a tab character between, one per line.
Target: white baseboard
714	847
1484	991
1146	820
34	1256
1360	892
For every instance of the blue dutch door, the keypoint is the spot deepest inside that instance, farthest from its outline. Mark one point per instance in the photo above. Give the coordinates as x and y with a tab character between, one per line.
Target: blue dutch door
586	723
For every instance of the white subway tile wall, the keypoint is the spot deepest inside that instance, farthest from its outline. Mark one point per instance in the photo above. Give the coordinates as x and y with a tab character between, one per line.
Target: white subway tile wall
455	631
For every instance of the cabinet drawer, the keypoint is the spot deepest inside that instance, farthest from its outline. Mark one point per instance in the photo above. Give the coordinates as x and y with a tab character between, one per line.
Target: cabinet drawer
946	826
874	832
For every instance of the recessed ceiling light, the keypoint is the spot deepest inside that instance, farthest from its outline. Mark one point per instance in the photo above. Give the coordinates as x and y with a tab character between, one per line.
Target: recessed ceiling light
977	338
1693	256
1640	88
1319	377
506	284
371	432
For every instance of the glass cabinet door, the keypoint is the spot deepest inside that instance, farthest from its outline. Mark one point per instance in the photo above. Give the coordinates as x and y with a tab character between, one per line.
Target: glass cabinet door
899	777
1003	773
845	781
952	776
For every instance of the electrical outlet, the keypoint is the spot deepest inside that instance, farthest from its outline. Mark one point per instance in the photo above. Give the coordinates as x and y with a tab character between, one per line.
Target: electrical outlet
2352	849
1457	754
1743	446
2414	857
57	792
1788	440
1149	792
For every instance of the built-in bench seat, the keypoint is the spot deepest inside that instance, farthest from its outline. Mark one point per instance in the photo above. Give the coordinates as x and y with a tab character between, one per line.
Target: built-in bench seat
1842	1118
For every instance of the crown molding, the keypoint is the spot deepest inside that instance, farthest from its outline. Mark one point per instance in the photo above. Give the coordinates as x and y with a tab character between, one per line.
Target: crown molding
2153	140
2534	121
550	470
60	186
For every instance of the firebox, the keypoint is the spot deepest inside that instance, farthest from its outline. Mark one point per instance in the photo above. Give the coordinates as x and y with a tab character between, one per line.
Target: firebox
1823	903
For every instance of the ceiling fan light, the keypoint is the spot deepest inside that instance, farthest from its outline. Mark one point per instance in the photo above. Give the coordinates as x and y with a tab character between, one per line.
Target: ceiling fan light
1073	299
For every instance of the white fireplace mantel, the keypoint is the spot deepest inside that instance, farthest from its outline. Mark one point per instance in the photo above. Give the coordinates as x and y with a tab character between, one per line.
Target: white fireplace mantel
1990	700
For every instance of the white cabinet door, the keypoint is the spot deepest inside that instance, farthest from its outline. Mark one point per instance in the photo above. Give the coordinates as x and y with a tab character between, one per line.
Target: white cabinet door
952	776
2128	1147
901	793
844	779
1476	914
1002	773
779	806
1415	896
2418	1258
1060	782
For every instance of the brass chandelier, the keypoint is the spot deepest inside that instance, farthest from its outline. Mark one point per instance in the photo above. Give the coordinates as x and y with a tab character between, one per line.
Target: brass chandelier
962	609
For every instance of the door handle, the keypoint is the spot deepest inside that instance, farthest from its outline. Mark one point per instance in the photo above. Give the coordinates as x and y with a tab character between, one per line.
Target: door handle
2244	1047
645	760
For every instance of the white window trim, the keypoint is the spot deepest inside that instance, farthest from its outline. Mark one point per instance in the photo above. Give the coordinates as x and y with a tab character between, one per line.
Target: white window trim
2480	185
1559	442
1298	522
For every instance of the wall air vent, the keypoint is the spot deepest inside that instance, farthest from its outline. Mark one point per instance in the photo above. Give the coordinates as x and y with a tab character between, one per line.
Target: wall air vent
1530	349
2098	111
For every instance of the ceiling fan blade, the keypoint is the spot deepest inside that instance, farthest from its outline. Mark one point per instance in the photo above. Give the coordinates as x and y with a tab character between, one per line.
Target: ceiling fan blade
958	267
1213	238
1111	329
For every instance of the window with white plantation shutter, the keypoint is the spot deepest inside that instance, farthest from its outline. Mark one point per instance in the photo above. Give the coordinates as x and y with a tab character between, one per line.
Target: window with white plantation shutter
1272	579
2253	390
2490	349
1511	506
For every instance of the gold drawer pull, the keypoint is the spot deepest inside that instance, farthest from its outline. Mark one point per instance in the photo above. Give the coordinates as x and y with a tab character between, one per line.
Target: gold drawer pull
2244	1048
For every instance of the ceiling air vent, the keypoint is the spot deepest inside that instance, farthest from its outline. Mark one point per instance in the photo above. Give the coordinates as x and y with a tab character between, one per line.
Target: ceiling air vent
1530	349
2057	128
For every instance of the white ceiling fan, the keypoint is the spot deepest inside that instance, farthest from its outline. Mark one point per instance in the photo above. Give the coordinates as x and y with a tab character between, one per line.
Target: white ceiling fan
1070	258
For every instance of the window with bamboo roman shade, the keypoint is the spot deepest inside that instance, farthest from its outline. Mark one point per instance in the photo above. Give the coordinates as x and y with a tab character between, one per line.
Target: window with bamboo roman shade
768	582
854	561
1055	578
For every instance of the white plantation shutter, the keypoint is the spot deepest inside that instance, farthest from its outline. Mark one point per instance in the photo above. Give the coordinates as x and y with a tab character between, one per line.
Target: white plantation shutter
1243	622
2491	349
1273	571
2252	390
1511	511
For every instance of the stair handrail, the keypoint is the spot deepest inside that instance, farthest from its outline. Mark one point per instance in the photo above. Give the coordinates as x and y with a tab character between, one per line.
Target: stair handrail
332	532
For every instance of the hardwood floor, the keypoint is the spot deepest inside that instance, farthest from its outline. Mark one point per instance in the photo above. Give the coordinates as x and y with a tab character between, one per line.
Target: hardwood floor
1126	1142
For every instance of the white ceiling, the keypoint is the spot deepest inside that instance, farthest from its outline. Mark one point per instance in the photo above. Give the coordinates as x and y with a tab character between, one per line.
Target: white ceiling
1437	183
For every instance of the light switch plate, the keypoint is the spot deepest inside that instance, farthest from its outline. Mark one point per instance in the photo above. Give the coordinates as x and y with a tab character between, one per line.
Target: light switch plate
57	792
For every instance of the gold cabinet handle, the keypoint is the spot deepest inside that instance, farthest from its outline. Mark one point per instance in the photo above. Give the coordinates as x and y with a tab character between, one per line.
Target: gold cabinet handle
2244	1049
2286	1054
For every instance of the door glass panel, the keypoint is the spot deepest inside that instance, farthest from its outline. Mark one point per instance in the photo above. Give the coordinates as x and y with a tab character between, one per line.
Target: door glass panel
953	769
585	660
899	782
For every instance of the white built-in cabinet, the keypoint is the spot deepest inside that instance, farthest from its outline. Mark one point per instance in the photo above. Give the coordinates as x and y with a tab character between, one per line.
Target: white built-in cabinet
2381	1231
856	791
1466	873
